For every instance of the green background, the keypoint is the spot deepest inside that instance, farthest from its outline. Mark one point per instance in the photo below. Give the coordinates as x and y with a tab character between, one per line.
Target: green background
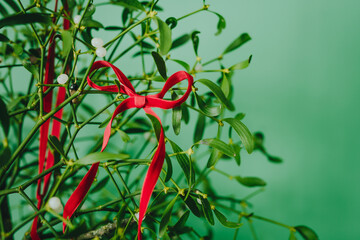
301	91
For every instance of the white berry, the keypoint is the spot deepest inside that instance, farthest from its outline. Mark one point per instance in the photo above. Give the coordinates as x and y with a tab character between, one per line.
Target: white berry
100	52
62	78
97	42
77	19
55	204
198	67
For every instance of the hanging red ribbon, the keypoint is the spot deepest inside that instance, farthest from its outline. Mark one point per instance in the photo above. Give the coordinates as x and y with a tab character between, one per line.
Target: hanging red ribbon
133	101
48	161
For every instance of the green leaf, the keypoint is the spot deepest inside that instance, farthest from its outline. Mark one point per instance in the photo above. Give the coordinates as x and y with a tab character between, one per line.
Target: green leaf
156	125
241	65
238	42
131	4
206	109
214	157
236	148
216	90
184	162
225	85
209	216
160	64
56	145
169	169
90	11
176	116
91	23
221	23
306	233
100	184
67	42
199	128
182	63
123	135
243	132
4	38
219	145
292	236
5	156
100	157
185	113
192	205
165	219
4	117
180	41
250	181
20	19
223	220
182	220
195	41
165	37
172	22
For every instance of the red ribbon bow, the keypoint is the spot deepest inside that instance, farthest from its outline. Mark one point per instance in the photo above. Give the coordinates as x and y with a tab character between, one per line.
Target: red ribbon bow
133	101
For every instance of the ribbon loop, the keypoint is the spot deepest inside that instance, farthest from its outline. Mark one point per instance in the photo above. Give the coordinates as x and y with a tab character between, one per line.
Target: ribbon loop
133	101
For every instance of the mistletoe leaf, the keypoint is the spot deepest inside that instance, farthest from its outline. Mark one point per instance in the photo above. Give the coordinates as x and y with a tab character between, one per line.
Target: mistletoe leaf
67	42
169	169
195	41
160	64
165	37
172	22
219	145
243	132
182	63
223	220
307	233
165	219
238	42
241	65
130	4
182	220
199	128
20	19
209	216
192	205
176	116
292	236
4	117
100	157
180	41
216	90
206	109
250	181
184	162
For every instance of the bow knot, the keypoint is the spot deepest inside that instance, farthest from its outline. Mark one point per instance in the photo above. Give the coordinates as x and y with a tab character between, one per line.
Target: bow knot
139	101
133	101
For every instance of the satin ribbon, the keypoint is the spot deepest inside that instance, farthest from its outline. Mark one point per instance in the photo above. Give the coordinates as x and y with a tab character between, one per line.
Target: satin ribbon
48	161
133	101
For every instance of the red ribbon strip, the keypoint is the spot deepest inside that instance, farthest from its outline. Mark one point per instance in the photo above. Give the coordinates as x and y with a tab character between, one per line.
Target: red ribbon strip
44	129
133	101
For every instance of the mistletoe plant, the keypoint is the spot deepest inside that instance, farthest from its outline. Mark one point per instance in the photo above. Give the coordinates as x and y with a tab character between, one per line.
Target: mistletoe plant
54	151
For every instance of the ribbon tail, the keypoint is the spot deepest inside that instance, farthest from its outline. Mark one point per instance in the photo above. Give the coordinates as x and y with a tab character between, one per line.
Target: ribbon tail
79	193
82	189
152	174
